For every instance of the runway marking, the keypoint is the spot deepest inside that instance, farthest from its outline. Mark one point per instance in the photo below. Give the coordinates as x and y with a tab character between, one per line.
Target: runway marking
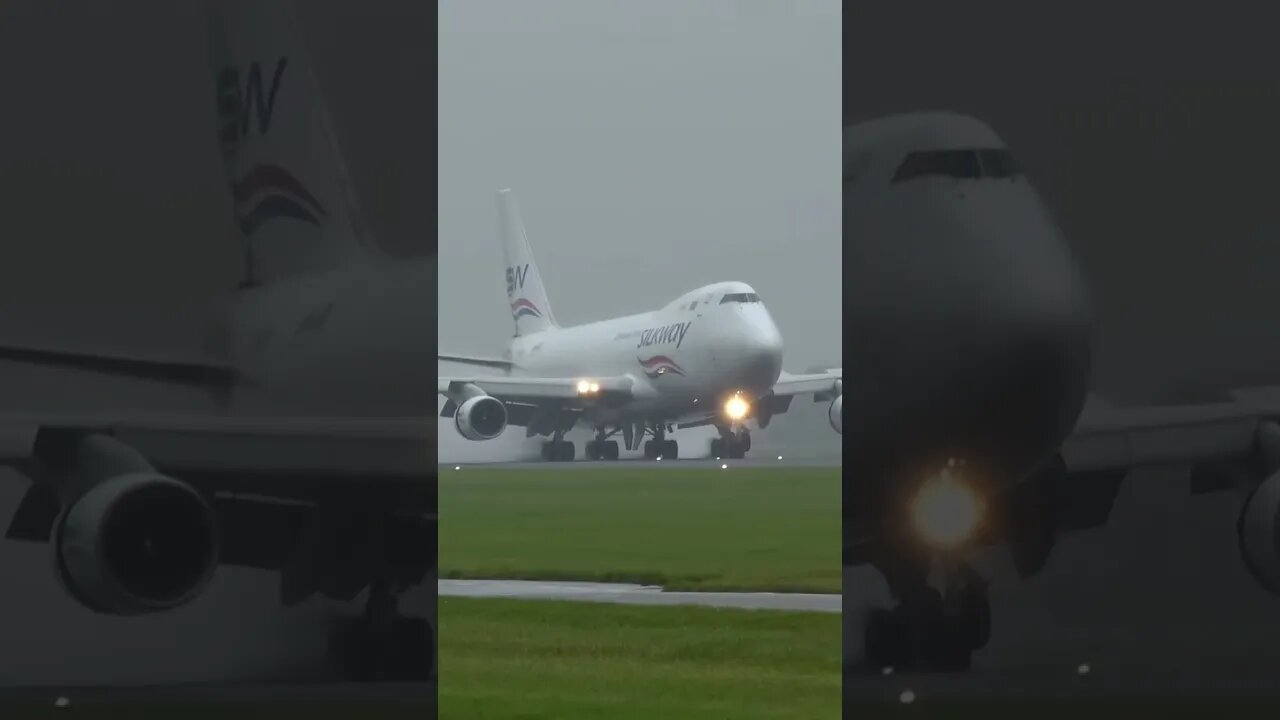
636	595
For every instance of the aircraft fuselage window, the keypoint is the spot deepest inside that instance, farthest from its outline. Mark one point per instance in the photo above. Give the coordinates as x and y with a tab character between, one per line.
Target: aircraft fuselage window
962	164
740	298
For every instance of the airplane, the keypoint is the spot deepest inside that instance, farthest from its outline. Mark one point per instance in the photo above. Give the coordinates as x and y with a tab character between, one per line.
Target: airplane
974	423
307	454
712	356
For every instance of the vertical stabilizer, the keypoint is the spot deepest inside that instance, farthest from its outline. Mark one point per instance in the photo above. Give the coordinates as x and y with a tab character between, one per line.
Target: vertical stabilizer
293	200
528	296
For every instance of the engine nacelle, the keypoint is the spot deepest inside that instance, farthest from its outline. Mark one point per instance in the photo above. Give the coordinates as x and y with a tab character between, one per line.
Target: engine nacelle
1257	528
835	414
136	543
481	418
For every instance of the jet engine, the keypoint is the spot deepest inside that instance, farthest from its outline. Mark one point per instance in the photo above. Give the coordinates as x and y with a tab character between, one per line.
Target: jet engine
835	414
136	543
483	417
1257	528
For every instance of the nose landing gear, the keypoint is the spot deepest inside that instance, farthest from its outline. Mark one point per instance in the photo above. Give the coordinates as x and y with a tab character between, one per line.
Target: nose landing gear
730	444
930	630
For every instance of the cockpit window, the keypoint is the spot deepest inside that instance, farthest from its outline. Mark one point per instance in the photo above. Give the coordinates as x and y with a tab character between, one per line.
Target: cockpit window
966	164
998	164
740	298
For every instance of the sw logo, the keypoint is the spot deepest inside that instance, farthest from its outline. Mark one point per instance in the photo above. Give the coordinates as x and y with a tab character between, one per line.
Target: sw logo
515	278
524	308
238	104
266	192
659	365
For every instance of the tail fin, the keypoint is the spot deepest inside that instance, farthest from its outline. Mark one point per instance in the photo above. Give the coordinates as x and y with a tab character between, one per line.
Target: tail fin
529	305
294	203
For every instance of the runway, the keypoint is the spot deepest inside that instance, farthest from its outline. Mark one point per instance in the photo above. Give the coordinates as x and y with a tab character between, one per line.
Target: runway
636	595
781	462
409	698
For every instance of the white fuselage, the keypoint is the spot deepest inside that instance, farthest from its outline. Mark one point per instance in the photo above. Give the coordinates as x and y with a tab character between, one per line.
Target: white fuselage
684	359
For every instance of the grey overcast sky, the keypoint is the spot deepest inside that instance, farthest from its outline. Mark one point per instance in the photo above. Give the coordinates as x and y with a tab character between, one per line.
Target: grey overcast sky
112	187
653	146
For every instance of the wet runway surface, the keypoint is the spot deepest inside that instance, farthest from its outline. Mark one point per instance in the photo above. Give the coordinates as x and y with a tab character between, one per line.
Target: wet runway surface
310	694
636	595
1157	604
682	464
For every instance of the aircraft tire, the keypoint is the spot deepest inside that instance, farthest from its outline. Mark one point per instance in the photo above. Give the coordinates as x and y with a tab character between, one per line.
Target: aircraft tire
671	450
610	449
404	653
937	643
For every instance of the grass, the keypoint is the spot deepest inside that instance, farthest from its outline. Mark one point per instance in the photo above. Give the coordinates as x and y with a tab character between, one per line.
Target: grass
747	529
532	660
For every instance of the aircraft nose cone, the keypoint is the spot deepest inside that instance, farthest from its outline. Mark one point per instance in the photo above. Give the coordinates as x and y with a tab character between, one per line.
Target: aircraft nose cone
1032	375
993	367
762	361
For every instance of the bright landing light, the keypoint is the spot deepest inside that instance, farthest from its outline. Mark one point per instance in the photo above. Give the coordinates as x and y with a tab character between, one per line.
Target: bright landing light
736	407
946	511
586	387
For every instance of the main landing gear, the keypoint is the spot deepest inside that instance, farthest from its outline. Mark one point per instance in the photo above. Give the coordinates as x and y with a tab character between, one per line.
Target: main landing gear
602	448
557	449
730	444
929	630
388	554
383	645
660	446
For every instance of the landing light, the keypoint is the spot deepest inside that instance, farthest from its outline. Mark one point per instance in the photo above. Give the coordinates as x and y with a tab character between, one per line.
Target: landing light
946	511
587	387
736	407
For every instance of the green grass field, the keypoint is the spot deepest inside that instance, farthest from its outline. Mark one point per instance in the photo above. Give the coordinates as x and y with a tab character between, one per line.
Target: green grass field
687	529
537	659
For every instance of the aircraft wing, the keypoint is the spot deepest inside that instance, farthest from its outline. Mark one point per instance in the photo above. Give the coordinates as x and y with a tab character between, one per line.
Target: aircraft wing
822	384
262	474
496	363
1226	444
536	389
1114	437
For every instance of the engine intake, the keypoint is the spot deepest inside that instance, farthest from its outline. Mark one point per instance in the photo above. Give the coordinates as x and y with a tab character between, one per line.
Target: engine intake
835	414
1257	528
136	543
481	418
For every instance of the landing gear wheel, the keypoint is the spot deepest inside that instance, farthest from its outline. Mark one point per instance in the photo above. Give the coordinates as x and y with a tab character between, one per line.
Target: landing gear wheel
402	652
931	633
602	450
671	450
381	645
651	450
743	443
729	447
562	451
884	637
968	610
